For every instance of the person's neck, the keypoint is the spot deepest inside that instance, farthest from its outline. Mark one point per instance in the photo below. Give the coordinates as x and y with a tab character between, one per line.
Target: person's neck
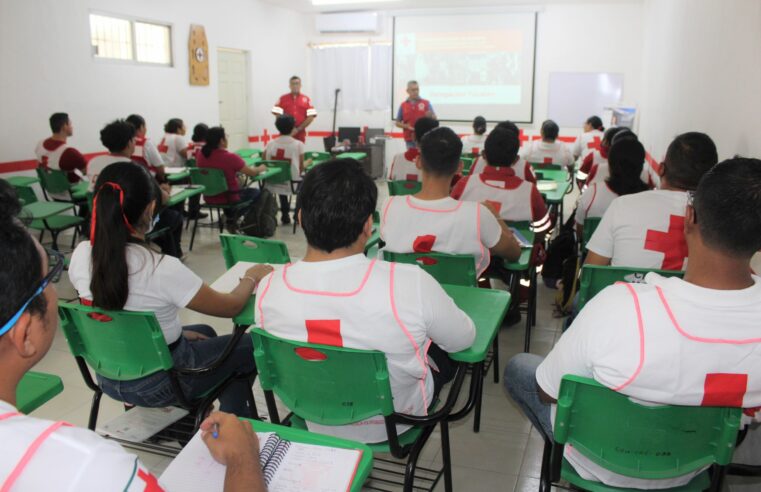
710	269
666	186
547	140
315	255
123	153
59	137
434	187
8	385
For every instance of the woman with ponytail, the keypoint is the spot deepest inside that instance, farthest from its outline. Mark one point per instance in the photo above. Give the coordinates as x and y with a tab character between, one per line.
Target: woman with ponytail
473	144
589	141
116	270
214	155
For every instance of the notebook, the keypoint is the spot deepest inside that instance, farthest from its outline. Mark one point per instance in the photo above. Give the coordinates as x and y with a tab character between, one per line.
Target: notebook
179	189
522	241
546	186
231	278
287	466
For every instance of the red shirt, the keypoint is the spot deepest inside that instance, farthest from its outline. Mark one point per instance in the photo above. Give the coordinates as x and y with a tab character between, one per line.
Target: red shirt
300	107
409	112
230	164
71	159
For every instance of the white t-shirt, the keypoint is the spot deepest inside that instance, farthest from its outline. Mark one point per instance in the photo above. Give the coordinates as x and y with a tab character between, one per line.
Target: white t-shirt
157	283
359	303
70	459
527	173
644	230
98	163
411	225
403	167
714	332
174	144
473	144
146	151
586	143
594	201
548	153
285	148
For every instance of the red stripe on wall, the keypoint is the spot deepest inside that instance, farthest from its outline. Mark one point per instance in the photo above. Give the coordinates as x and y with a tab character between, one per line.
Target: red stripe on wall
31	164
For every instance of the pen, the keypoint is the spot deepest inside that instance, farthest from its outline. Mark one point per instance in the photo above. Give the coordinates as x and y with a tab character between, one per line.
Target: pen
215	430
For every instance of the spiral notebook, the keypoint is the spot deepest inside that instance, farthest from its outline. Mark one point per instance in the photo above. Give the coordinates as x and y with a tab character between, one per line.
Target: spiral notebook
287	466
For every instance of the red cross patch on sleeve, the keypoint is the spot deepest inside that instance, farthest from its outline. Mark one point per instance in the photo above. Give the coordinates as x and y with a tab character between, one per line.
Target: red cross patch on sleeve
724	390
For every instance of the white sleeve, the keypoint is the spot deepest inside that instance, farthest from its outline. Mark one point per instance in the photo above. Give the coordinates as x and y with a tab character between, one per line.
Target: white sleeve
491	231
577	147
447	325
603	239
152	154
177	283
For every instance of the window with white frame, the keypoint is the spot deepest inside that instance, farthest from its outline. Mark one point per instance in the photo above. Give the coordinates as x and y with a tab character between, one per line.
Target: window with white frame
119	38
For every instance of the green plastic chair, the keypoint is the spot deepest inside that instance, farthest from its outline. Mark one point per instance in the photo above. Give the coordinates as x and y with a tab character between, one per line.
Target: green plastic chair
595	278
542	165
26	194
248	153
55	181
339	386
35	389
639	441
467	163
237	248
55	224
124	346
445	268
590	226
404	187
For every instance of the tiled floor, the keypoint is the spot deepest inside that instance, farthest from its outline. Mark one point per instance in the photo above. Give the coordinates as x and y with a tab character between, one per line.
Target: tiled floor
504	456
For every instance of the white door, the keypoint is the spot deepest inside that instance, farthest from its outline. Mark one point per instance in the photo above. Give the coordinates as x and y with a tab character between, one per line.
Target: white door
233	96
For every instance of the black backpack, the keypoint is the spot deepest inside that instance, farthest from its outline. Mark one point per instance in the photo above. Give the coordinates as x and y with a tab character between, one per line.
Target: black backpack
261	219
561	248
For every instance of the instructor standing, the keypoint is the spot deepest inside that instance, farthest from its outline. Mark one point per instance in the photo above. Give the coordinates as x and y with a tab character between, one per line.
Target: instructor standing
412	110
297	105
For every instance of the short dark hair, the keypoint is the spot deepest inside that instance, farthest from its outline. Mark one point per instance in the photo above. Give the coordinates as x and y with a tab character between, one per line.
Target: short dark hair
424	125
607	137
199	132
479	125
596	123
501	147
284	124
58	121
336	199
173	125
623	134
295	77
508	125
116	135
409	83
440	151
727	205
688	158
550	130
136	120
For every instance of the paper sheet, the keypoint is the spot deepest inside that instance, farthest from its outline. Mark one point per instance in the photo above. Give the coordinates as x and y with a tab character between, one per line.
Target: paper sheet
231	278
174	170
546	186
140	423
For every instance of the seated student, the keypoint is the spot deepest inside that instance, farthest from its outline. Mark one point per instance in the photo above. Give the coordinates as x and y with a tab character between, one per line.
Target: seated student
119	138
701	344
590	140
173	145
594	167
625	161
214	155
432	221
39	454
116	271
522	167
146	152
514	199
646	230
369	304
285	148
54	153
472	144
197	140
403	166
548	150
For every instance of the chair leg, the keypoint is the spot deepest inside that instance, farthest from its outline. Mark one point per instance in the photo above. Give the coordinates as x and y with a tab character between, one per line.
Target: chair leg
545	480
55	239
94	409
193	234
409	470
445	456
495	358
478	373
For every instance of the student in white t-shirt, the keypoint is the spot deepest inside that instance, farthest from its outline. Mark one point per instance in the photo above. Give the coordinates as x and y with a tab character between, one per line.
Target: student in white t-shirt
688	342
115	270
286	148
173	146
337	296
39	454
646	230
474	143
197	140
432	221
403	165
590	140
522	168
548	150
146	152
625	160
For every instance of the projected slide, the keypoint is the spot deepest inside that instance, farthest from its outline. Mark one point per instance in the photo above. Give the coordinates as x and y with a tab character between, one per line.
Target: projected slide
467	65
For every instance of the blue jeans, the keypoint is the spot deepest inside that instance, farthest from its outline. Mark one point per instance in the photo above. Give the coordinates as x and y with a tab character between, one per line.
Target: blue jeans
520	382
156	390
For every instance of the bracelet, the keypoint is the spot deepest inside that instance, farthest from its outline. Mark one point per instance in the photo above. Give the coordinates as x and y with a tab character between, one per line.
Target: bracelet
249	278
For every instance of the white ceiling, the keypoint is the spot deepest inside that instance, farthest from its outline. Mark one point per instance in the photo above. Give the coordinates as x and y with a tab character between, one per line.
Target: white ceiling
306	5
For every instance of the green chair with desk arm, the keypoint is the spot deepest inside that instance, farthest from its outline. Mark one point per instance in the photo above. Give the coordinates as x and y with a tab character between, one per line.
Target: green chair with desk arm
237	248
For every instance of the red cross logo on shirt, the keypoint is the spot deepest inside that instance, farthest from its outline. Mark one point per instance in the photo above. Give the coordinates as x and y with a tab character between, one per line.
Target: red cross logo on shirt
324	332
724	390
279	155
594	144
671	243
151	482
547	160
522	137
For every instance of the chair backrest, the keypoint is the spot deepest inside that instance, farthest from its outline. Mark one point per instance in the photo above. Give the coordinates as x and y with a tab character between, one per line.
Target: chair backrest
446	268
245	153
237	248
26	193
642	441
317	156
590	226
542	165
119	345
213	180
595	278
191	162
284	176
53	180
323	384
467	163
404	187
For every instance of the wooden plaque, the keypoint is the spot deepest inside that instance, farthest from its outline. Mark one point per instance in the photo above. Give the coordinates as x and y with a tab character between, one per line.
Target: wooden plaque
198	53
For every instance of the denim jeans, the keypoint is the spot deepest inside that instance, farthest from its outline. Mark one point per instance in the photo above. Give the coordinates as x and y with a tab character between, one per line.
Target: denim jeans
520	382
156	390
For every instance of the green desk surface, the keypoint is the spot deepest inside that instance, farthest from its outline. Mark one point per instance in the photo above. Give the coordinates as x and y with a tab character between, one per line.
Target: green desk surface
43	210
556	195
21	181
522	263
267	174
253	160
298	435
487	309
315	162
174	177
188	192
352	155
35	389
551	175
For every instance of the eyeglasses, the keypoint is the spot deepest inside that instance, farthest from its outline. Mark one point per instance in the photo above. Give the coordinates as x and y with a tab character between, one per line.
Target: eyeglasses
56	263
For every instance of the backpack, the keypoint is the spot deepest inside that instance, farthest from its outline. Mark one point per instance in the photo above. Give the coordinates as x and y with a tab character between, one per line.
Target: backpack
561	248
261	218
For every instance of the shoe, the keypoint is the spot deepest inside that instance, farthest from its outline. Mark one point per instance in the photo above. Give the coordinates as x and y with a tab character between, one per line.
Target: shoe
199	215
231	226
286	220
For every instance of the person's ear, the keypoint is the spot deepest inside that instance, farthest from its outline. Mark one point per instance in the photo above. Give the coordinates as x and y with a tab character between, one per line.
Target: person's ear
20	335
367	231
690	221
418	162
460	167
662	169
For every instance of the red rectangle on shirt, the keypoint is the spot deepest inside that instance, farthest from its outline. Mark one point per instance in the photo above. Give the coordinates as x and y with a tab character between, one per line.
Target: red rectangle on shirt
724	390
412	177
324	332
496	205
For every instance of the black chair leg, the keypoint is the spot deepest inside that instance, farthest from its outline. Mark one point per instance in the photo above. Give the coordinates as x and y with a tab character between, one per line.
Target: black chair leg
445	456
495	358
545	480
193	234
478	373
94	409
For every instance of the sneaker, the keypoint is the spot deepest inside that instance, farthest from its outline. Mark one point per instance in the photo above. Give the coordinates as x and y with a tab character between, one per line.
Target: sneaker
199	215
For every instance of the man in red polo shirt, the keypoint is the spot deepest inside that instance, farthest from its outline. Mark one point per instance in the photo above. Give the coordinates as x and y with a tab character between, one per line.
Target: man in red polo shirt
412	110
54	153
297	105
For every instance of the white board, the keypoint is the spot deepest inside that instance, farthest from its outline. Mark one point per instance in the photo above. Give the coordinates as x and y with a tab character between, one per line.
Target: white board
575	96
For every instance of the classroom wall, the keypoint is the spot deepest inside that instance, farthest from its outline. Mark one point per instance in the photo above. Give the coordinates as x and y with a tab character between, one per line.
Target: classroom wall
47	67
702	71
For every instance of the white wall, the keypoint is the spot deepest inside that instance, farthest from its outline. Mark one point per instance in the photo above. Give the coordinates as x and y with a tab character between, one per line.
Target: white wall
47	67
702	72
